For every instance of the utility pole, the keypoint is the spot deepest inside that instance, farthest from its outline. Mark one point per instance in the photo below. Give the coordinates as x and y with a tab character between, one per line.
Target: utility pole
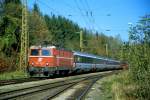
24	38
122	57
107	49
81	41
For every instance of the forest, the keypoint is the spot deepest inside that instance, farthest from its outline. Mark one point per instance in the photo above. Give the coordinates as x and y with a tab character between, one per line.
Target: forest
63	33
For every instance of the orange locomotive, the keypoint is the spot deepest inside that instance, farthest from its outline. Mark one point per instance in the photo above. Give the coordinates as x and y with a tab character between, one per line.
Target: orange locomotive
46	61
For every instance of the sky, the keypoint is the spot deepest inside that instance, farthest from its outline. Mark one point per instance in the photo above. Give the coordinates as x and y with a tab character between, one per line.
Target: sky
112	17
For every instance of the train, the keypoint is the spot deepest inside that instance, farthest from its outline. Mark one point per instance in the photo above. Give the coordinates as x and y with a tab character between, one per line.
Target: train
47	61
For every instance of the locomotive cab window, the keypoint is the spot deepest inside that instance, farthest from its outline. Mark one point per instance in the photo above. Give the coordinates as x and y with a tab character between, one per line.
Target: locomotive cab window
34	52
45	52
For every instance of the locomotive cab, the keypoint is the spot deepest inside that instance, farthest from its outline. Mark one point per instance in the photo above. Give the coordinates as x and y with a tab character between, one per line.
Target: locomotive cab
39	60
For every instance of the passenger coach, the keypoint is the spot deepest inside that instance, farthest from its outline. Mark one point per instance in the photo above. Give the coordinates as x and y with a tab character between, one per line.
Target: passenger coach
88	62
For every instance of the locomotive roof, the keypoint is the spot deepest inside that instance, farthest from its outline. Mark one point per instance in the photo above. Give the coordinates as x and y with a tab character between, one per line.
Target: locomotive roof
43	47
92	56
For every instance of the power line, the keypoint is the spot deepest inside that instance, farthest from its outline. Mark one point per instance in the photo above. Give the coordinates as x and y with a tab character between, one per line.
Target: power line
87	14
85	8
86	21
70	6
53	10
90	14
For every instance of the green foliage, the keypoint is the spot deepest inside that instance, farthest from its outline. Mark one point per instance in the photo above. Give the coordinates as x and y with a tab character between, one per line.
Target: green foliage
62	31
13	75
36	9
139	57
124	52
38	31
10	29
96	44
116	87
12	1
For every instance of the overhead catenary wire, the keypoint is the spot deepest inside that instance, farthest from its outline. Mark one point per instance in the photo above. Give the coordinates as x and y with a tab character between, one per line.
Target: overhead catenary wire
82	14
70	7
92	18
53	11
89	13
88	19
85	17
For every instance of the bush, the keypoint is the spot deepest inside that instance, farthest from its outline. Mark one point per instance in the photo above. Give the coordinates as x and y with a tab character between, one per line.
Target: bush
140	70
13	75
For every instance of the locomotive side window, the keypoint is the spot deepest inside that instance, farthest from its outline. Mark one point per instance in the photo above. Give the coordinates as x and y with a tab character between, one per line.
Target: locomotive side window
45	52
34	52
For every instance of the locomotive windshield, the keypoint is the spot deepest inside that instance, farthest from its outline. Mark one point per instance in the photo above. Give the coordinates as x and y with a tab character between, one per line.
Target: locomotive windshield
45	52
34	52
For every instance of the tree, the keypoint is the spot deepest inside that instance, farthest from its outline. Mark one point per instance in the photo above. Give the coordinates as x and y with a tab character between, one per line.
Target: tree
38	31
139	42
62	31
36	9
10	26
10	29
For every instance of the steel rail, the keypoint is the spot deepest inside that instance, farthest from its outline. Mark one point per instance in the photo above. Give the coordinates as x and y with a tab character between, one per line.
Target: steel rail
16	81
80	97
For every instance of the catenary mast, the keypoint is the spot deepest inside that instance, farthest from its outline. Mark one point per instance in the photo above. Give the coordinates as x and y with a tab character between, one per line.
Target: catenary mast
24	38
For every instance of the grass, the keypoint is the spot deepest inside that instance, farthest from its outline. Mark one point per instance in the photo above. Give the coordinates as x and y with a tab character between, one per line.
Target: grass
13	75
118	87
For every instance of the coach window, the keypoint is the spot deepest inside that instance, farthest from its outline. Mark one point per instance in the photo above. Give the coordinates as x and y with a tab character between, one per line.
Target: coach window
79	59
34	52
45	52
101	61
89	60
84	59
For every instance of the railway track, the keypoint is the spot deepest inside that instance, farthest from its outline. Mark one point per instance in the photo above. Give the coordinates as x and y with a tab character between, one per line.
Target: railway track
16	81
53	90
80	90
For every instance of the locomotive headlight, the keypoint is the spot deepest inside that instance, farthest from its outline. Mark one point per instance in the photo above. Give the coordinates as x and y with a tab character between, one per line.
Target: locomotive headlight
47	64
32	63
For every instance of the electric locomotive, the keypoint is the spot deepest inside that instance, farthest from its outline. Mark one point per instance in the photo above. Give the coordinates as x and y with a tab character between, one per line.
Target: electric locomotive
46	61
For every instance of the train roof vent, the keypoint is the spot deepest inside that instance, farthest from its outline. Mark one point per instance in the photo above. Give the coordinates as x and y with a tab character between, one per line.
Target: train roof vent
48	47
38	47
35	47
